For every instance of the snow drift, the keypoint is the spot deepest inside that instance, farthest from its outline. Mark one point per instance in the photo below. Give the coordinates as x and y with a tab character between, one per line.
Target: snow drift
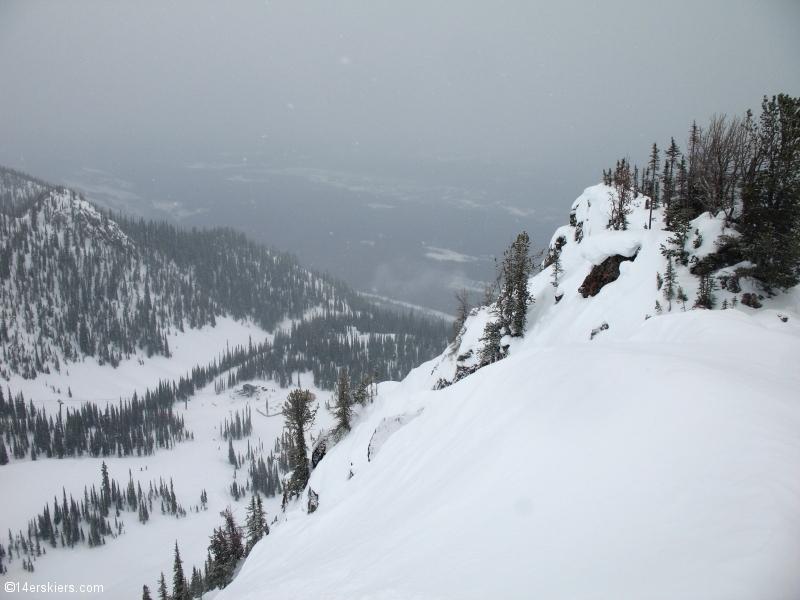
658	457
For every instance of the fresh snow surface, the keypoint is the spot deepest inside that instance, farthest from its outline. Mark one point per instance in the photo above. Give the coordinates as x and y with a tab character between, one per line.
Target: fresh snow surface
660	459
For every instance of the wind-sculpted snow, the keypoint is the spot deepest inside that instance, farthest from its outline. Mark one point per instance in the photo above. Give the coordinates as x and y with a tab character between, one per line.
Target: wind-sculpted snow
658	458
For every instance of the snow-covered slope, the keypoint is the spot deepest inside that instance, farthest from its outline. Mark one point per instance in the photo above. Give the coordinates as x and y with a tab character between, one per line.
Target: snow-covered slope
657	458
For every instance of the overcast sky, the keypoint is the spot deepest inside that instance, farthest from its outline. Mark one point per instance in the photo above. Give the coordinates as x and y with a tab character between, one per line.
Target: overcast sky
519	104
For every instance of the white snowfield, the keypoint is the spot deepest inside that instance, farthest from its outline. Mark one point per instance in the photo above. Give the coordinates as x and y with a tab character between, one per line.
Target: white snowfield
660	459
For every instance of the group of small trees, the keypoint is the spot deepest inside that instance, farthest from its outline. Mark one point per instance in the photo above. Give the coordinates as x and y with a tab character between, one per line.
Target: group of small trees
346	398
136	426
229	544
513	299
746	169
624	182
299	413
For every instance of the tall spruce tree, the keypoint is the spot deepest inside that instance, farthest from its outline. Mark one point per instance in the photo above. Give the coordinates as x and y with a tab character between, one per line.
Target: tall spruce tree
231	452
146	593
179	590
343	407
298	418
668	182
163	593
196	585
514	297
653	187
255	522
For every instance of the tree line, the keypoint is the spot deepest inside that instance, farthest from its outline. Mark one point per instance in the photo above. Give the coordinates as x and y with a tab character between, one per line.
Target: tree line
136	426
88	520
745	169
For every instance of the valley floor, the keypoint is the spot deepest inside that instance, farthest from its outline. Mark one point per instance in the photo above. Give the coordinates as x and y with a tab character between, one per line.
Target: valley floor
137	557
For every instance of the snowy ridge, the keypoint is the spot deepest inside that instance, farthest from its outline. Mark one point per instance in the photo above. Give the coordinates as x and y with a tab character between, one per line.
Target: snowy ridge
18	190
659	457
69	209
623	305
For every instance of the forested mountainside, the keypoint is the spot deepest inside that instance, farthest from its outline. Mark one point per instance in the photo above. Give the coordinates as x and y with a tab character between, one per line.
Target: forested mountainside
75	282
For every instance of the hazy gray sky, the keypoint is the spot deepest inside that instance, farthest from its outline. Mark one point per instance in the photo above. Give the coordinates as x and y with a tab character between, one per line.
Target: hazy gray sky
519	104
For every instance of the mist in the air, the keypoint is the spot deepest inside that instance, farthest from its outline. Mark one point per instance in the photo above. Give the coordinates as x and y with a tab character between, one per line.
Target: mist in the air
399	147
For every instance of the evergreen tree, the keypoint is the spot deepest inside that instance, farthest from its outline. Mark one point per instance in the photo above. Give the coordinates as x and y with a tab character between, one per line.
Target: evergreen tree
179	591
231	453
514	297
105	495
669	282
298	418
3	453
705	292
770	221
362	393
622	197
146	593
557	270
682	298
255	522
163	594
225	551
669	184
196	586
462	311
343	407
491	350
653	188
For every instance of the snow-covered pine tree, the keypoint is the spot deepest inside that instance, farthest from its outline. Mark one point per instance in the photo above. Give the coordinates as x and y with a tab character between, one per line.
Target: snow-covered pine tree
179	590
343	407
491	351
231	453
622	197
462	311
705	290
196	586
557	270
298	416
362	393
668	182
513	300
163	593
255	522
652	187
770	221
669	281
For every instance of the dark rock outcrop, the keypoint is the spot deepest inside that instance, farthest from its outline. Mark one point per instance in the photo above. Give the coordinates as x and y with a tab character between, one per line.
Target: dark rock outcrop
313	500
602	274
318	453
751	300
